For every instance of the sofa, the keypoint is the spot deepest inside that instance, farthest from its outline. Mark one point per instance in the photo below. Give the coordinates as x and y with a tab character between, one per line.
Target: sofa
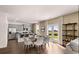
74	46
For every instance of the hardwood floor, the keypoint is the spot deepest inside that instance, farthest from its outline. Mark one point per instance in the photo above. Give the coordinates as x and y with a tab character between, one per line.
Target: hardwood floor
18	48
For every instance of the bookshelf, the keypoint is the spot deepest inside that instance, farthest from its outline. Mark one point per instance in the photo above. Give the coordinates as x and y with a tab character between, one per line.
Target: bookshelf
69	32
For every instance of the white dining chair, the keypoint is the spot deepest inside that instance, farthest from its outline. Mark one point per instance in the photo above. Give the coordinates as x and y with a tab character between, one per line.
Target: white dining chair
27	42
36	36
46	40
39	42
30	36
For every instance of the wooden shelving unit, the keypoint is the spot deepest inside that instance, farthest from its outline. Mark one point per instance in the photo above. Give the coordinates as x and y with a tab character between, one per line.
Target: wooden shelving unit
69	32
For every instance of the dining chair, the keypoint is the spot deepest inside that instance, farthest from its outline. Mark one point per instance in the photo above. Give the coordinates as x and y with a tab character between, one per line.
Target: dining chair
39	42
46	40
31	35
36	36
27	42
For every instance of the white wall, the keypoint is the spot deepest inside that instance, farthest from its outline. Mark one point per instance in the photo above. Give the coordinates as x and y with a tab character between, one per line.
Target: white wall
3	31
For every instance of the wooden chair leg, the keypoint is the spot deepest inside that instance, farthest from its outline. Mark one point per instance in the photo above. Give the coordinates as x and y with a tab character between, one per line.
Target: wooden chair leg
25	47
38	47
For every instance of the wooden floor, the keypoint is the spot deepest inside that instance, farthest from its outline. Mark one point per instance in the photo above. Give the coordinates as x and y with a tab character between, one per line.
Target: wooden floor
18	48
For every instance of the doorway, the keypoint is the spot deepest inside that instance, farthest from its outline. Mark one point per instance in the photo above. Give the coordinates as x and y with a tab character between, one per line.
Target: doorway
53	32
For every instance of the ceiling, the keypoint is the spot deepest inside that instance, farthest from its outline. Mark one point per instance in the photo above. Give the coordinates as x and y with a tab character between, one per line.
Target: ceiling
35	13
